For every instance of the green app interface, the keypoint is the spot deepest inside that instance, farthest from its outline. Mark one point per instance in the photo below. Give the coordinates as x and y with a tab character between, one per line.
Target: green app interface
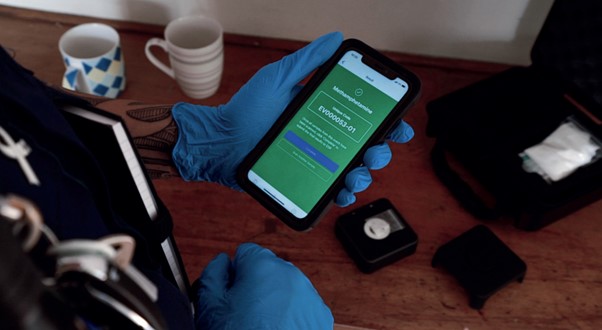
327	132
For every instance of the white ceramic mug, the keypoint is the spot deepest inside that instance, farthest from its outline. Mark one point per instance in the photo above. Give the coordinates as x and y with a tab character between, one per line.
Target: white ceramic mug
93	60
196	54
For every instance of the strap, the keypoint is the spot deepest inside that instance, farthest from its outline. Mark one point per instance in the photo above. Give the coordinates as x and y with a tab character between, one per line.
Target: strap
461	190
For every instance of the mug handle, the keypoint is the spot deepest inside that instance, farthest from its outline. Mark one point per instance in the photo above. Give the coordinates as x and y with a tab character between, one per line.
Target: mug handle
163	44
73	80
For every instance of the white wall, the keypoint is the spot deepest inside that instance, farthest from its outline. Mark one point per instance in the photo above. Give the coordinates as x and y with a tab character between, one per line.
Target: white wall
489	30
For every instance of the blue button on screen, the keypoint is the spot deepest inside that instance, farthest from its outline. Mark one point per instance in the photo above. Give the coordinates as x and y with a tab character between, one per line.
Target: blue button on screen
312	152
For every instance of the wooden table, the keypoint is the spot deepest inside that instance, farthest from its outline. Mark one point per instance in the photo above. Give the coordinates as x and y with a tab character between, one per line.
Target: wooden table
563	285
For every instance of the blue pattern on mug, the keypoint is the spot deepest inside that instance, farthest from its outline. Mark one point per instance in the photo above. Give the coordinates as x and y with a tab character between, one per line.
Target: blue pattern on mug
102	76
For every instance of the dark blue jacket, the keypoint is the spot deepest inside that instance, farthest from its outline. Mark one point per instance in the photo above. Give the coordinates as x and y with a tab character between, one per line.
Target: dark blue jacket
72	196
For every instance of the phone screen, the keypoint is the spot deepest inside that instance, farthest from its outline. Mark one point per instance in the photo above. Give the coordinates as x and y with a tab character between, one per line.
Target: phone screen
325	135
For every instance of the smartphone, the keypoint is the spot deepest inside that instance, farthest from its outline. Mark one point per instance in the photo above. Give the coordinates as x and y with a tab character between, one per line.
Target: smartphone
349	104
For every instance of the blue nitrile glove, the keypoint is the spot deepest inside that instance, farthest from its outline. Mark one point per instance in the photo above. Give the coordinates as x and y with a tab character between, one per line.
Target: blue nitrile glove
257	290
375	158
213	141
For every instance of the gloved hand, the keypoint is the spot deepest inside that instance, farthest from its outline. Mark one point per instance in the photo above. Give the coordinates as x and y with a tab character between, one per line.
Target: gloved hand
257	290
213	141
375	158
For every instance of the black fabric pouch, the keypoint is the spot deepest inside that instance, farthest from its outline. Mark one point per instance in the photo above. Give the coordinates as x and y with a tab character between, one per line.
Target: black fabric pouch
486	126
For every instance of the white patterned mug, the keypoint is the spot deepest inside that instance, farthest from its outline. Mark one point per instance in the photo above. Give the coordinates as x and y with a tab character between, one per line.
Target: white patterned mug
196	54
93	60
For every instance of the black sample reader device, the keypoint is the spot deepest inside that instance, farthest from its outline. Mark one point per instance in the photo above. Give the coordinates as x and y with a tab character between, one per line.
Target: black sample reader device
375	235
348	105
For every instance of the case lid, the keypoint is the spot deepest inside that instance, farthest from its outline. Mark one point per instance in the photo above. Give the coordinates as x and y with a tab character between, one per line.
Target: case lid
569	45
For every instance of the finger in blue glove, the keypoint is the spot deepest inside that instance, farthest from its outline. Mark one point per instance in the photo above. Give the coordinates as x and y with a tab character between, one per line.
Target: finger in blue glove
378	156
402	133
258	290
375	158
357	180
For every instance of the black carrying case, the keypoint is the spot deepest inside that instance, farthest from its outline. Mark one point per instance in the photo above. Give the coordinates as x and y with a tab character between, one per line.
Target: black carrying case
485	126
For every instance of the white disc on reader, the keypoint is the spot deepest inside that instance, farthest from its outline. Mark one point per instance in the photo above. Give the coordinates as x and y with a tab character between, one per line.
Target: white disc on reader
377	228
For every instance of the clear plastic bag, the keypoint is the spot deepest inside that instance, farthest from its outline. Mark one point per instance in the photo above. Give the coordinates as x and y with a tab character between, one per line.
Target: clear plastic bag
568	148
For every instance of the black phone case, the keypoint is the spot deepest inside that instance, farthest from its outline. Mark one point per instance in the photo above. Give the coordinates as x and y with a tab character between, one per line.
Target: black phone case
326	201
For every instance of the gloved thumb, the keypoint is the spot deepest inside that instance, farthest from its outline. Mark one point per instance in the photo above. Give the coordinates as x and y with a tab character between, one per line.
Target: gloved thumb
298	65
214	282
